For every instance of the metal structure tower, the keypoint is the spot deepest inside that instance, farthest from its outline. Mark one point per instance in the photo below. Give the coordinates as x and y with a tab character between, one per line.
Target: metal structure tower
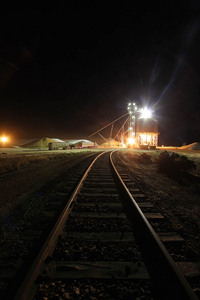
132	110
139	128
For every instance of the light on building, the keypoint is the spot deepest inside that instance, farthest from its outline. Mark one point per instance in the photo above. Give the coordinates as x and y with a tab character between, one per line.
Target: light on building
131	141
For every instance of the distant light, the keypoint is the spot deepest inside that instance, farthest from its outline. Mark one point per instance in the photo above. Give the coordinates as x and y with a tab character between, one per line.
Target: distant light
146	113
4	139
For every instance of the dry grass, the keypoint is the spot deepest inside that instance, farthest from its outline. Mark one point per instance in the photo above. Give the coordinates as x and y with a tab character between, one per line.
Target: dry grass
16	163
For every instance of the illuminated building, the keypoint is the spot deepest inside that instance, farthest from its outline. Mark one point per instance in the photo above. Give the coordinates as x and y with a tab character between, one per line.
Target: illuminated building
146	132
142	128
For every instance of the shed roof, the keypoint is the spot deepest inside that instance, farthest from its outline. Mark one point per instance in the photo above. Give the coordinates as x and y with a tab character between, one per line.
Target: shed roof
57	140
77	141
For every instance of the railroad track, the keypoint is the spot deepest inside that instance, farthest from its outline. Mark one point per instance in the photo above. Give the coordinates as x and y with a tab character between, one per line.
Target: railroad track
103	246
25	228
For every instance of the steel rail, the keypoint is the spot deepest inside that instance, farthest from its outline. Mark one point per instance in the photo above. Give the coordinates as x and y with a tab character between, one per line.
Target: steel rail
168	279
26	289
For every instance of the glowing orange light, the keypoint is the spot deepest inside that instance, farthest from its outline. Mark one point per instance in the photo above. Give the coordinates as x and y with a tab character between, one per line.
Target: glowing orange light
145	138
4	139
131	141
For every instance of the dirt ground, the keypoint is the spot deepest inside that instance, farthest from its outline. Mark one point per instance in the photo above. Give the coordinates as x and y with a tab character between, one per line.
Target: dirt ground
178	200
22	173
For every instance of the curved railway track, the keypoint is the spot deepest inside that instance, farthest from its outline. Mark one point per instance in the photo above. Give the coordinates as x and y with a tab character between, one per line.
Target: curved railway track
104	247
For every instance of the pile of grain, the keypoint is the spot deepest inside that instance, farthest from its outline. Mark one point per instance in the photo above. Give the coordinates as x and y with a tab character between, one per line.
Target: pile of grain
39	144
193	146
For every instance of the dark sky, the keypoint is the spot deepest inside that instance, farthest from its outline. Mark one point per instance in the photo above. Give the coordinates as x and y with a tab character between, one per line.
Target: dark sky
69	68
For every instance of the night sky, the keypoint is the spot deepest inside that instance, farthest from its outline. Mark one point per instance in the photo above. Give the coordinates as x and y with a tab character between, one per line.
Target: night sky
71	67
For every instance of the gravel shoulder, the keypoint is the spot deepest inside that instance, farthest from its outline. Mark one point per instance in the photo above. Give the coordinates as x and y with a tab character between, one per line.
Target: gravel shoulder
179	202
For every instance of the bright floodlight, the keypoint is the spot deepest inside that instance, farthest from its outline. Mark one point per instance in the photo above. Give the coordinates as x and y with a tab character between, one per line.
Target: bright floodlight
146	113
